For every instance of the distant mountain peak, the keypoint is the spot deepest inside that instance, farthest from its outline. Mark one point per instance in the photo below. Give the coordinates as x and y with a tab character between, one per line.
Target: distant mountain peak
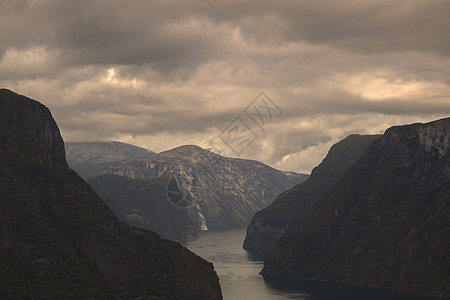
187	150
87	157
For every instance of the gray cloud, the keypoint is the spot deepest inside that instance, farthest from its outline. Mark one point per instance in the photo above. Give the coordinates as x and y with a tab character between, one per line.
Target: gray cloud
165	73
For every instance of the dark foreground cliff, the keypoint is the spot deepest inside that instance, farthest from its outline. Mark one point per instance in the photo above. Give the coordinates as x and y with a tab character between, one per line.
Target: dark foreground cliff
59	240
288	210
386	224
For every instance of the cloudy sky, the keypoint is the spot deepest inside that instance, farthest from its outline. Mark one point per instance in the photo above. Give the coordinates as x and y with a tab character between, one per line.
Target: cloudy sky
160	74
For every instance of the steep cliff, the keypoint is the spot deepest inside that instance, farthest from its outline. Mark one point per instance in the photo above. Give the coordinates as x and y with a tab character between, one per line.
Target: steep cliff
144	203
386	224
288	210
223	192
59	240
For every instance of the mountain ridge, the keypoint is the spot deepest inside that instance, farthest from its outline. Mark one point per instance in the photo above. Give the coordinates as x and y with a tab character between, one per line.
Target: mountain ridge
87	157
246	185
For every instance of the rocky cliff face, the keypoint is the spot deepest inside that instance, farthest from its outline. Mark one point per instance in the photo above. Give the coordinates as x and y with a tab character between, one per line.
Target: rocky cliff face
88	158
290	207
386	224
38	133
144	203
58	240
222	192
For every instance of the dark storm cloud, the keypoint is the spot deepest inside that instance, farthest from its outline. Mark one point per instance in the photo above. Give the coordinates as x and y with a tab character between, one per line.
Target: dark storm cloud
155	34
170	35
369	26
117	30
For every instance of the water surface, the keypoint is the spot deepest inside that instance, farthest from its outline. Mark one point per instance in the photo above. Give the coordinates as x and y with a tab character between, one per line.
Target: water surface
240	280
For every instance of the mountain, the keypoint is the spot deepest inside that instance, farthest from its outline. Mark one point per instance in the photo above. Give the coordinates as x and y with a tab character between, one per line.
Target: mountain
287	211
88	157
59	240
220	192
386	224
144	203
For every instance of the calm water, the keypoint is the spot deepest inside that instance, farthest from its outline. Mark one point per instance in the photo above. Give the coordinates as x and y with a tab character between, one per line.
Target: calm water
239	278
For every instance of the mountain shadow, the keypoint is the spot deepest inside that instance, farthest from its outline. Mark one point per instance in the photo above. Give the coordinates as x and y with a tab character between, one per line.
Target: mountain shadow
144	203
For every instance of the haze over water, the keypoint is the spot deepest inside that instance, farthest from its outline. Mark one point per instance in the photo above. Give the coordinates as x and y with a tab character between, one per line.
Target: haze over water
240	279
